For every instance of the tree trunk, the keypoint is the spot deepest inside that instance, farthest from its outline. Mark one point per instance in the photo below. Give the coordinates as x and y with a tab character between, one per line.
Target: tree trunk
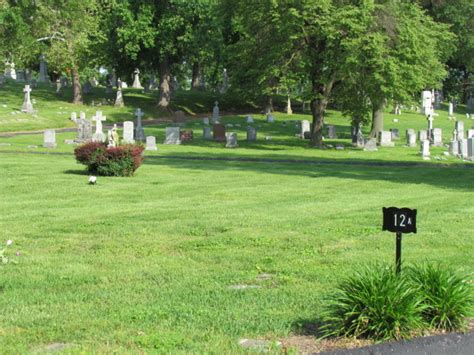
165	80
269	107
377	118
196	79
321	94
76	87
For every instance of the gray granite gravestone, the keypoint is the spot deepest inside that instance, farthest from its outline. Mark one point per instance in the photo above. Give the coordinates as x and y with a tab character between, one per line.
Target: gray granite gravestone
139	131
172	135
150	143
251	134
231	140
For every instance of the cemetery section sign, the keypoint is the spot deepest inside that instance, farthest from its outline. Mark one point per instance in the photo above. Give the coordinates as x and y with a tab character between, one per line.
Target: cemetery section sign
399	220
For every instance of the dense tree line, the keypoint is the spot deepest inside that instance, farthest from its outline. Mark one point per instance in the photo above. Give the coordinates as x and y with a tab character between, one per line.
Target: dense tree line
357	54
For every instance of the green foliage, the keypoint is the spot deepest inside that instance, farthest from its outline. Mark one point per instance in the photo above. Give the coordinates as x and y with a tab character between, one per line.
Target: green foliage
374	303
447	297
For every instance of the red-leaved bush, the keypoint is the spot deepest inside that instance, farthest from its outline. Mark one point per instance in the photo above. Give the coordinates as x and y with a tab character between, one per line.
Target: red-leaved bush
118	161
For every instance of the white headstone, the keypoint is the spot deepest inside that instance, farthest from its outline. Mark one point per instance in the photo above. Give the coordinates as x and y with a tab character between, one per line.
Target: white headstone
459	127
128	128
422	135
249	119
463	148
205	120
451	110
411	139
426	102
136	80
270	118
454	147
437	137
385	139
150	143
425	149
99	135
305	127
470	133
172	135
231	140
73	116
27	105
49	138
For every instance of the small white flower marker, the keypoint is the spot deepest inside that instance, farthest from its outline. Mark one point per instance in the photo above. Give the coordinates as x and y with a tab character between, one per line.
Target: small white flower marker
9	242
92	180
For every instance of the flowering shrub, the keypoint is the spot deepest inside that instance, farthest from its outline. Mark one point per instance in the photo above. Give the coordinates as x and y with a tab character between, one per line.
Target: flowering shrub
115	161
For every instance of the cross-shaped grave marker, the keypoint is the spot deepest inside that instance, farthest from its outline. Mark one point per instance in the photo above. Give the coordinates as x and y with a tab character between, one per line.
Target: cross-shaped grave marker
139	132
98	136
27	105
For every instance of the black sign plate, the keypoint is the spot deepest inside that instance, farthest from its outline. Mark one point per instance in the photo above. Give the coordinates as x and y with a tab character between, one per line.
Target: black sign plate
401	220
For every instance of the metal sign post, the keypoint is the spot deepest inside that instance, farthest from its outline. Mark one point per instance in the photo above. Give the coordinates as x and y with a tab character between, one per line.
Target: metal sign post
399	220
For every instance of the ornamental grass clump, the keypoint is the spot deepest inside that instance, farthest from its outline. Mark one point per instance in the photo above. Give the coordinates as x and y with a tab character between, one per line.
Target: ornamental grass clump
446	296
374	303
123	160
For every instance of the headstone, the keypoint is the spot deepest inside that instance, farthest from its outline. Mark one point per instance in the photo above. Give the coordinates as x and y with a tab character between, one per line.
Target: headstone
288	106
172	135
225	82
270	118
332	132
207	133
470	133
49	138
422	135
454	147
179	117
411	139
10	72
119	98
395	133
370	145
251	134
451	110
215	113
139	131
459	127
305	127
186	136
231	140
470	148
437	137
99	135
218	132
425	149
205	120
249	119
58	87
463	148
128	130
385	139
73	116
136	79
113	137
150	143
84	128
426	102
27	105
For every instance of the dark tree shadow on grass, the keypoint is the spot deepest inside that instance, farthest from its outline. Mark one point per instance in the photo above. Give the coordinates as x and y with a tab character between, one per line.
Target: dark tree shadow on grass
76	172
453	177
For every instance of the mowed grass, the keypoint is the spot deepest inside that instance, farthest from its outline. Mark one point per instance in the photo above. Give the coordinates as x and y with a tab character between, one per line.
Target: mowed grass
145	263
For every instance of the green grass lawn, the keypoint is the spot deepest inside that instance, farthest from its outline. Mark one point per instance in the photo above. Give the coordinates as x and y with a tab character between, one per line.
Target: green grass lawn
148	263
